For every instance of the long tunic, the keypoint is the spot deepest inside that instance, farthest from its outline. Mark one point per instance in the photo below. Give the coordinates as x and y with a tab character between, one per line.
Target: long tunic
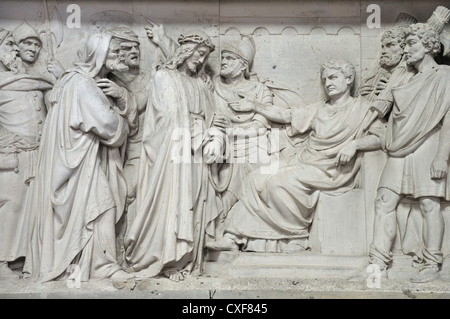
172	185
80	190
22	116
281	206
412	135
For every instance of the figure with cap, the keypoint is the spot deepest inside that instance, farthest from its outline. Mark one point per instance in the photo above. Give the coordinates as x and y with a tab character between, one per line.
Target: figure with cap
22	116
137	81
276	210
80	191
248	133
30	45
167	235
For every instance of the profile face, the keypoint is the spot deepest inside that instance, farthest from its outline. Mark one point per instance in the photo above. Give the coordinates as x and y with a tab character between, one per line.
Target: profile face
9	46
115	60
231	65
198	58
130	51
391	52
335	83
414	49
8	51
29	49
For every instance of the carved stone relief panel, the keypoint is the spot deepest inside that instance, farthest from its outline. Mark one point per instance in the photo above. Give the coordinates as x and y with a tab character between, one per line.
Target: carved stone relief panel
146	142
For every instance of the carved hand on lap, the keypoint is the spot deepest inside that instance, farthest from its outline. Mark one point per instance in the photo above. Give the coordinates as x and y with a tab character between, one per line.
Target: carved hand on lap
346	154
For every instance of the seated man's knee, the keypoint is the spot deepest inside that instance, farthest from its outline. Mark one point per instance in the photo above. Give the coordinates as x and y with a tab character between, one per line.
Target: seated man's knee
386	201
429	204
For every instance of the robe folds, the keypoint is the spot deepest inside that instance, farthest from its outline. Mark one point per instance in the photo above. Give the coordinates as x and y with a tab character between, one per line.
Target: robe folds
22	114
412	135
173	183
245	154
79	192
280	206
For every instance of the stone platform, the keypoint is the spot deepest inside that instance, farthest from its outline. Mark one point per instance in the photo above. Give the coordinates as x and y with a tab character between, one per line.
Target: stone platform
234	275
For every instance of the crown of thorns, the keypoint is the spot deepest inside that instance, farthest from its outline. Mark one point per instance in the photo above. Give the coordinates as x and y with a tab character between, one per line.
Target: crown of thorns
195	38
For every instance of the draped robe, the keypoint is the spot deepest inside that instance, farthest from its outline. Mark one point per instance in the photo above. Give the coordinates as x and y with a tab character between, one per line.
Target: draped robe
172	186
80	189
281	206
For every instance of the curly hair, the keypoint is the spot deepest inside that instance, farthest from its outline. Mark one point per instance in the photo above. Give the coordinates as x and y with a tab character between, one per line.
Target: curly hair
427	34
397	33
342	65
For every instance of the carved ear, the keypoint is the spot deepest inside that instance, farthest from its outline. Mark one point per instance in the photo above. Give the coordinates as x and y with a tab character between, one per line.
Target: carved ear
350	78
428	48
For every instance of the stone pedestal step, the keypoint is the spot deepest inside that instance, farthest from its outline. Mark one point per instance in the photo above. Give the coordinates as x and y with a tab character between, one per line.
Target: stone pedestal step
304	265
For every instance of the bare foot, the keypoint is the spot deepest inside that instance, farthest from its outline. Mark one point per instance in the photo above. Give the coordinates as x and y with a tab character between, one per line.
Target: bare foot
174	275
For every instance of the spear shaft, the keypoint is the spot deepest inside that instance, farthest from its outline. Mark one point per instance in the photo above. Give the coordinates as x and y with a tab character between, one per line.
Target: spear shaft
48	32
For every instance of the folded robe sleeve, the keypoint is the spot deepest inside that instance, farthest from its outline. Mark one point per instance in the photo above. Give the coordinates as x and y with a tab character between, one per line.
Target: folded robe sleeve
94	113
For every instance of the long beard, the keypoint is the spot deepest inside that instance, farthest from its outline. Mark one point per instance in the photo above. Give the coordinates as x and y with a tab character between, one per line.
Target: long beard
116	65
13	63
388	61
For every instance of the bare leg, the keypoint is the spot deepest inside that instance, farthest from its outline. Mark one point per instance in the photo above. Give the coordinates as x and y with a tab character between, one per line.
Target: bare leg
433	234
433	226
385	229
385	224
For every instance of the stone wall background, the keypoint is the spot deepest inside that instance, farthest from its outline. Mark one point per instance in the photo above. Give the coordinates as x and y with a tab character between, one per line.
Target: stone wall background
293	37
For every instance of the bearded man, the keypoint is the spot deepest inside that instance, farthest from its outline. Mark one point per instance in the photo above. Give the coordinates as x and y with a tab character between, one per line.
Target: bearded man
417	145
167	235
80	190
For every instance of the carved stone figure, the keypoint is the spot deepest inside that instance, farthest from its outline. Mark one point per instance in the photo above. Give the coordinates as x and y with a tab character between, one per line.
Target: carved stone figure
418	153
392	43
22	114
249	146
79	193
275	211
137	82
30	45
394	69
166	237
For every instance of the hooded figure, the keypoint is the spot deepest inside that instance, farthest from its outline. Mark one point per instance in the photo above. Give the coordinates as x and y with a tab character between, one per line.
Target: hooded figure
80	189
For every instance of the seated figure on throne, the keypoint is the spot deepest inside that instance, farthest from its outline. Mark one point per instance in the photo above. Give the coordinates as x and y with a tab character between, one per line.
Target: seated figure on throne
276	210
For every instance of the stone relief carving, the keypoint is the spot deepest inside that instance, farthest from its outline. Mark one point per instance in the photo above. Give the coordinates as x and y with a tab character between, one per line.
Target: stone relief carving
131	168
